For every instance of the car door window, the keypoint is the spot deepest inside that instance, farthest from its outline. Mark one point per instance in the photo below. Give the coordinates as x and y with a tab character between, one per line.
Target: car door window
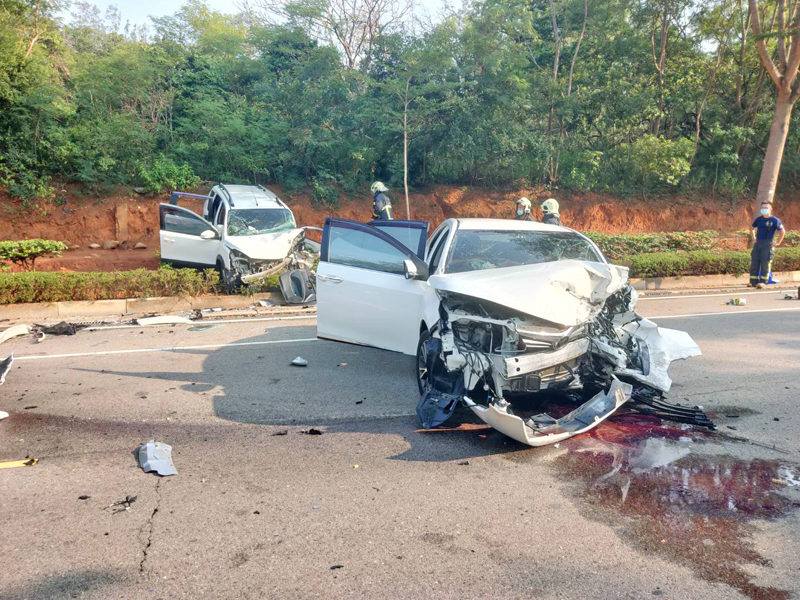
180	220
359	248
411	234
221	216
436	257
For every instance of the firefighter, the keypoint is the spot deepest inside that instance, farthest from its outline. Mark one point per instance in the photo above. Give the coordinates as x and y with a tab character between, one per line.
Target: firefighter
550	214
523	210
763	236
381	205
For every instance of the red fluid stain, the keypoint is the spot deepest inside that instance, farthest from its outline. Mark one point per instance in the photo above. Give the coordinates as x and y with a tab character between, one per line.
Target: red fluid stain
692	508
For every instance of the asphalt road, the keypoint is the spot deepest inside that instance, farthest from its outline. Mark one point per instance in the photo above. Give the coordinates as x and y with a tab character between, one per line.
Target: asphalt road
374	507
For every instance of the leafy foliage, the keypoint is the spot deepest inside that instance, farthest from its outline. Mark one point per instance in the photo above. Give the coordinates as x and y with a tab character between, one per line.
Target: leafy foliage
57	287
491	95
702	262
25	252
617	246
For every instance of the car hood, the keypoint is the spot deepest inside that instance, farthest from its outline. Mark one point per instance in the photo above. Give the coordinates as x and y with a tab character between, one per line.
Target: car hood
268	246
567	292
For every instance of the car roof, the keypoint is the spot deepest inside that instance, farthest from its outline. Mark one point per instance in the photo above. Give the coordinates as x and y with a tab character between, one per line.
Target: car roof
506	225
251	196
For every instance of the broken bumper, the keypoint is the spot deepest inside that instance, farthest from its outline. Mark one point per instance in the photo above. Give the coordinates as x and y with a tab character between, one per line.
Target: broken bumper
587	416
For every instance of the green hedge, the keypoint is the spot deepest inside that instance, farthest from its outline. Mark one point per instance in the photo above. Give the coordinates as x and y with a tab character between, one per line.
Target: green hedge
617	246
25	252
792	238
58	287
676	264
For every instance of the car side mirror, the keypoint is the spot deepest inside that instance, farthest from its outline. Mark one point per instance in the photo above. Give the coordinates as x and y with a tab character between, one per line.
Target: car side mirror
208	235
412	270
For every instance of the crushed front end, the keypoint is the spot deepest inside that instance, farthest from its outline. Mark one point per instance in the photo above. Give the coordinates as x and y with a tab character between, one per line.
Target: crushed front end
486	356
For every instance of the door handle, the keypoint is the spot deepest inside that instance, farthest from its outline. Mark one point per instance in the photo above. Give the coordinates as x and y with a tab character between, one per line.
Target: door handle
170	240
330	278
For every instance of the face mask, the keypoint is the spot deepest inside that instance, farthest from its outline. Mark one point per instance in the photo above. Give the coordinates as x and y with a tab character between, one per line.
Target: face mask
765	211
520	212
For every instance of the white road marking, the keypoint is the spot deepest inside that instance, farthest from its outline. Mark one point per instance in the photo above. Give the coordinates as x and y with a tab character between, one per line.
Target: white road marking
736	294
714	314
167	349
203	322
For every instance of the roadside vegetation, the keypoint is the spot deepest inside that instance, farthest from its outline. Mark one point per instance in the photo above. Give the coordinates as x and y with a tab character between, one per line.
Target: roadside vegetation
18	288
633	98
704	262
25	252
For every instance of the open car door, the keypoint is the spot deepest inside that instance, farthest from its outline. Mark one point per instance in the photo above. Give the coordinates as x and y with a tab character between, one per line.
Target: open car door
187	239
370	286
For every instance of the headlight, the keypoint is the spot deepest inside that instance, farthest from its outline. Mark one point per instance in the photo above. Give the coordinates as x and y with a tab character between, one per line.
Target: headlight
240	262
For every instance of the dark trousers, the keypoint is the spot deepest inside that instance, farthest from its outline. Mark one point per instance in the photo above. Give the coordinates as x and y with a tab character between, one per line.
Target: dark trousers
761	261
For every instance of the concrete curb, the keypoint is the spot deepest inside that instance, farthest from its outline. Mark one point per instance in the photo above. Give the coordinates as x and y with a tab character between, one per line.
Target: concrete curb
705	281
115	308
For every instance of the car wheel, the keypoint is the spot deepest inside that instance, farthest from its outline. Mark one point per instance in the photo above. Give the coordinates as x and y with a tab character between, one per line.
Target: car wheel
421	366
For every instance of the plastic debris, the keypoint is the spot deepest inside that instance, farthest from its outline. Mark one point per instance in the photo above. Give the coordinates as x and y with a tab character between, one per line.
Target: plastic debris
157	456
266	303
14	331
40	336
164	320
5	367
300	362
215	309
12	464
736	302
311	431
3	415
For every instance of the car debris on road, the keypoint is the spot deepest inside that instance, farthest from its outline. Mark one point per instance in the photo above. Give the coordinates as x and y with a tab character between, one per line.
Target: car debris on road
163	320
15	331
300	362
13	464
156	456
122	505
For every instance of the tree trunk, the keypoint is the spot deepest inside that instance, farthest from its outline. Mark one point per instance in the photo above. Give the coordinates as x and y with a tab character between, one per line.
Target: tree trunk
777	140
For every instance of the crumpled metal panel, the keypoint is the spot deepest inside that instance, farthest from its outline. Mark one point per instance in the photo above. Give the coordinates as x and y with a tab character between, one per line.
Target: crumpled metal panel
157	456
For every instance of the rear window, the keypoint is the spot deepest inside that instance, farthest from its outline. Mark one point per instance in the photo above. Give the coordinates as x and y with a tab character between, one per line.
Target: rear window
478	250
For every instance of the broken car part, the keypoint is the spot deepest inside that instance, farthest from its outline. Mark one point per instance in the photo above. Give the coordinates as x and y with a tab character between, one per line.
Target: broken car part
157	456
14	331
300	362
297	286
3	415
62	328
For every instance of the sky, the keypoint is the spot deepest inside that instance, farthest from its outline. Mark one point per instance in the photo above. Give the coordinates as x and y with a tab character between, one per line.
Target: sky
139	11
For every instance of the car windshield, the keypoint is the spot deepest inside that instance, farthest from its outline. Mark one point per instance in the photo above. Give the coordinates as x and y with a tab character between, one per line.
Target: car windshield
478	250
256	221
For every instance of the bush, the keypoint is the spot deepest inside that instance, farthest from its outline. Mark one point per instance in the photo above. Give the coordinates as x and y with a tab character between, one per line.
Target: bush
792	238
25	252
323	193
617	246
677	264
18	288
163	174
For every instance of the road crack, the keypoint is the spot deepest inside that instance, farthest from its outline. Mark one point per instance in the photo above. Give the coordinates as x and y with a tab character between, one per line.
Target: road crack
146	549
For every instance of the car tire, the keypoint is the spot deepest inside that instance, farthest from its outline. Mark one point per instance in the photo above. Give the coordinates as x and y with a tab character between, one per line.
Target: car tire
421	365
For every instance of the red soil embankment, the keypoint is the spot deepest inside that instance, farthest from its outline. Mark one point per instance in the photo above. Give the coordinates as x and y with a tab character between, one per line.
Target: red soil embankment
95	220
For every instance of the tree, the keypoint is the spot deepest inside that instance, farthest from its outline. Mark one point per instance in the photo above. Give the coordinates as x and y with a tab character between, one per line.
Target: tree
784	76
351	25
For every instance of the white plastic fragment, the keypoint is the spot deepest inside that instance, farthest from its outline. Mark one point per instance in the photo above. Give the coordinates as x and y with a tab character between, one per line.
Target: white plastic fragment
163	320
3	415
14	331
300	362
157	456
40	337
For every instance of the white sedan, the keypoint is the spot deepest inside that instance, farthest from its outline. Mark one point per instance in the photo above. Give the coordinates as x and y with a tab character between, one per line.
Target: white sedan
493	310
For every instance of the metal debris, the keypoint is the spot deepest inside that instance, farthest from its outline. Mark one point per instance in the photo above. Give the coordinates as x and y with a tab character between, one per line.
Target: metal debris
157	456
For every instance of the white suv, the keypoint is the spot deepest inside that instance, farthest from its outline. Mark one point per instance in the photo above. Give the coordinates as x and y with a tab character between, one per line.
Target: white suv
246	232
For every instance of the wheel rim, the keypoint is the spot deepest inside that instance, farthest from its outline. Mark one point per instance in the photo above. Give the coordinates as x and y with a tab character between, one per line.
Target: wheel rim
422	366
